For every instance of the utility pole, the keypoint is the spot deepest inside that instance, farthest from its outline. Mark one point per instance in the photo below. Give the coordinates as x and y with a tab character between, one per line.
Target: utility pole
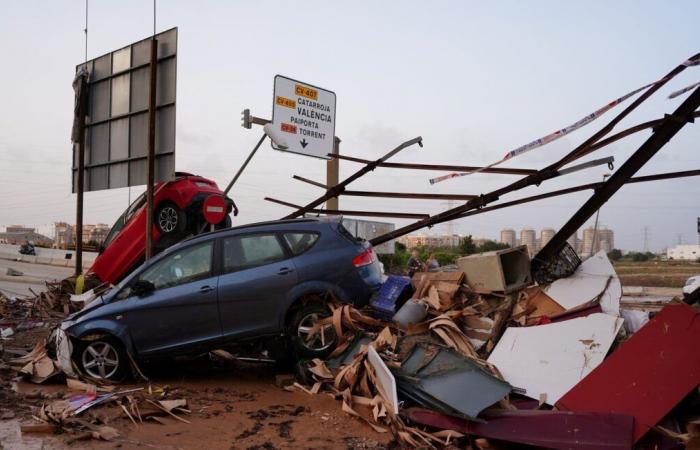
333	175
645	237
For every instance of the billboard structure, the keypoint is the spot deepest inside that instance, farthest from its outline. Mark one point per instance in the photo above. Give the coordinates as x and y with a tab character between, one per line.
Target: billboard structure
116	126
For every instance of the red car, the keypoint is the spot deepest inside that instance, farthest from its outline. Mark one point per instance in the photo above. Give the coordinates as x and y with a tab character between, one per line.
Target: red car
178	214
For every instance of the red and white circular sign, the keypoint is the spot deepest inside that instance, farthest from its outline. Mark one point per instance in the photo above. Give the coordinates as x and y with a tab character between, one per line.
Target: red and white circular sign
214	209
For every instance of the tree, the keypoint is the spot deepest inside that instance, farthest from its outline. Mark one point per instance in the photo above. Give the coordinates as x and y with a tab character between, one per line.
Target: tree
615	254
467	245
490	245
399	247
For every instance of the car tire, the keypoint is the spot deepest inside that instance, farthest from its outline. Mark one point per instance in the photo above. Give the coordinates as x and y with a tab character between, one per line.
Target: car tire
170	219
305	346
103	358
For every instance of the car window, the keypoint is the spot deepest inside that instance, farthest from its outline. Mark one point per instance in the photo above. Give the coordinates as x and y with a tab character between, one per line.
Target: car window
244	252
184	266
300	242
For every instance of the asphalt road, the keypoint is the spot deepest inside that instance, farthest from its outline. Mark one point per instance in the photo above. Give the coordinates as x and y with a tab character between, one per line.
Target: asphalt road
34	277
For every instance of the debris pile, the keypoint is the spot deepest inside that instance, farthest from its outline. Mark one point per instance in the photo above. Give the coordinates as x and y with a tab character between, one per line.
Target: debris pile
56	302
484	353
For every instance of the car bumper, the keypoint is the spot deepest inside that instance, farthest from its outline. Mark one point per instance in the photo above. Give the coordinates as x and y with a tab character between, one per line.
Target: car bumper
64	352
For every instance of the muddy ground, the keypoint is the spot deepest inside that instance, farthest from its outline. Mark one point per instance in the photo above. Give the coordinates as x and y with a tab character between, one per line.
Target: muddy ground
233	406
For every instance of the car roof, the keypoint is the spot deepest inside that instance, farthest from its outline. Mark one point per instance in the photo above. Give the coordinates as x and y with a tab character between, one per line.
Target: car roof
318	220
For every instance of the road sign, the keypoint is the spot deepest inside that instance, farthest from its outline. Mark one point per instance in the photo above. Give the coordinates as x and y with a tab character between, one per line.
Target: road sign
116	129
214	209
304	116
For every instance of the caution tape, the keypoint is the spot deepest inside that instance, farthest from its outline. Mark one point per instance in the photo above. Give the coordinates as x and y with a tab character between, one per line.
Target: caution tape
570	129
684	90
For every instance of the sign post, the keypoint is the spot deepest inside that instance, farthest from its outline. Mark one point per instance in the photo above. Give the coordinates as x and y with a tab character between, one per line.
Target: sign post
304	115
151	147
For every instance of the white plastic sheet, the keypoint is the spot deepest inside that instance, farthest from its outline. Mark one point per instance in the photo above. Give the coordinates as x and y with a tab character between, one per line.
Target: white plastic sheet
587	283
551	359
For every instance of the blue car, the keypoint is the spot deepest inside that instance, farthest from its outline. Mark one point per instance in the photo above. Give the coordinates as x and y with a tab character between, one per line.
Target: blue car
257	282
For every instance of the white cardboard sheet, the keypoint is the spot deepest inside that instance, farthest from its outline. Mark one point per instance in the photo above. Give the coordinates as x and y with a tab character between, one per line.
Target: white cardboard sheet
551	359
587	283
385	380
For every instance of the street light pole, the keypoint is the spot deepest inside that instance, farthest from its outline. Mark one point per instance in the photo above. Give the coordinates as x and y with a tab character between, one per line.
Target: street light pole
595	226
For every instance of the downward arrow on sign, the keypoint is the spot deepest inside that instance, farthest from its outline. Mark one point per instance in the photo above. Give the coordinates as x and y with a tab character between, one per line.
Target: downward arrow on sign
303	143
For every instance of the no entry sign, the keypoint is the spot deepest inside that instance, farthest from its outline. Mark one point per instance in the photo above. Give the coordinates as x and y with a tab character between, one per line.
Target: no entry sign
305	116
214	209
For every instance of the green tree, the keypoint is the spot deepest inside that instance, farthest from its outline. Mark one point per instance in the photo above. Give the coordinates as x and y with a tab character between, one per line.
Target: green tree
615	254
399	247
490	245
467	245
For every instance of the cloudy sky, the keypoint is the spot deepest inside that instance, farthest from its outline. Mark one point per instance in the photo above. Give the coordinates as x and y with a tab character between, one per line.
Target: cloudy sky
474	79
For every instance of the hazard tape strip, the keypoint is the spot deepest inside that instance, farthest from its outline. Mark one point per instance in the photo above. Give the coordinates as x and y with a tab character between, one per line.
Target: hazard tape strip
571	128
684	90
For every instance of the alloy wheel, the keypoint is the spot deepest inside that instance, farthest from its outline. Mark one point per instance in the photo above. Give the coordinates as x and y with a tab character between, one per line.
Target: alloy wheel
167	219
313	336
100	360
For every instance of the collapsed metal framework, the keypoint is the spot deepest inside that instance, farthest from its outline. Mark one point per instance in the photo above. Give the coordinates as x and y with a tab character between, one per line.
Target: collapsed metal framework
663	130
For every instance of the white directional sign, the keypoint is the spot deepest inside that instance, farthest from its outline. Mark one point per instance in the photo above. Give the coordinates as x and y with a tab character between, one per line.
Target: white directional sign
304	117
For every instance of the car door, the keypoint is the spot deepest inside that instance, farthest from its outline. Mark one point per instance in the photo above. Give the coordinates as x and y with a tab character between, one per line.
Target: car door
182	311
257	273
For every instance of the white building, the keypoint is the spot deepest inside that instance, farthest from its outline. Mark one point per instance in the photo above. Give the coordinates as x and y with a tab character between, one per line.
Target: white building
686	252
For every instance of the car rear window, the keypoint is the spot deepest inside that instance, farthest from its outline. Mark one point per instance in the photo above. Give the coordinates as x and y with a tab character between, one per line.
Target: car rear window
299	242
344	231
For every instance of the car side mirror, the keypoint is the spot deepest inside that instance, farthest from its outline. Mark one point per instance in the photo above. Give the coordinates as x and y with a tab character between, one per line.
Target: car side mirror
143	288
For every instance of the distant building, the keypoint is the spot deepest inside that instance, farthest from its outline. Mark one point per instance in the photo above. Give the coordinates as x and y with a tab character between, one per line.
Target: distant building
528	237
62	235
546	235
684	252
18	235
423	240
508	237
604	240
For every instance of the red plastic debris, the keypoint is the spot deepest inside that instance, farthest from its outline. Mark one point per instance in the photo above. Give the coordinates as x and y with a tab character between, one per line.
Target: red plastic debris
548	429
648	375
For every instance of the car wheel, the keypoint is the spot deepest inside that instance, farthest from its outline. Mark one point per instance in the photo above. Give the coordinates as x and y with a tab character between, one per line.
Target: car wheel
170	219
308	339
102	359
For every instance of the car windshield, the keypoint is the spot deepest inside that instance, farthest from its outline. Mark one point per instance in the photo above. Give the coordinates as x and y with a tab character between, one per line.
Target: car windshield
124	219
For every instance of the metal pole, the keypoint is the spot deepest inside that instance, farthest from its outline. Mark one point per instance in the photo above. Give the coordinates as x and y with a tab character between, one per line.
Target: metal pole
151	148
81	182
81	164
595	226
245	164
332	174
334	191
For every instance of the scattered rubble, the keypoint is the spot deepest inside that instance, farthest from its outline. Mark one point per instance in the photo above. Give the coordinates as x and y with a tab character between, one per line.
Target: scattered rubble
444	358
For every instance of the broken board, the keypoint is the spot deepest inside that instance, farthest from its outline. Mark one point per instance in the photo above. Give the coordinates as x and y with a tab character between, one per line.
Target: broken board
588	283
548	360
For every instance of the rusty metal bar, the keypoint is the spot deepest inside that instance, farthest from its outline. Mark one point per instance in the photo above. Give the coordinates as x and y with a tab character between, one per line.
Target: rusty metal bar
342	212
449	168
336	190
536	178
583	187
663	133
312	182
411	195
